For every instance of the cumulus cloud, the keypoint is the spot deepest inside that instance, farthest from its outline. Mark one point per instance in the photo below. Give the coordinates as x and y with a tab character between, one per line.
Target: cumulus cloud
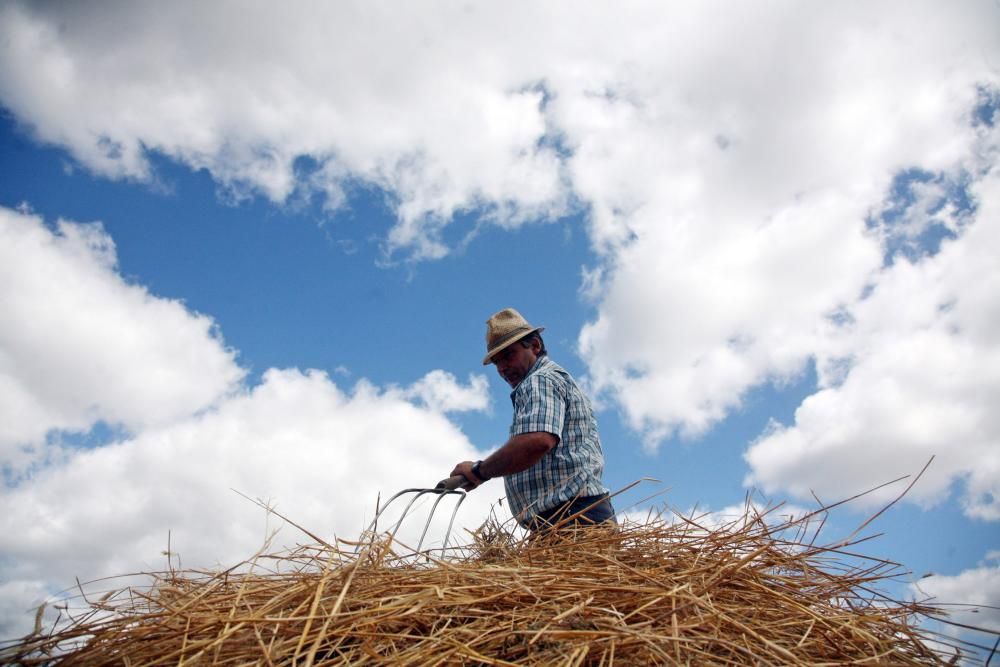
81	344
734	198
971	598
691	317
78	344
400	99
18	598
730	160
739	515
441	392
741	203
318	454
732	517
917	374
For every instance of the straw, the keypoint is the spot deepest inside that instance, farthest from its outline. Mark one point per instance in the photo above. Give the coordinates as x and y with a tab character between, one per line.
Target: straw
656	592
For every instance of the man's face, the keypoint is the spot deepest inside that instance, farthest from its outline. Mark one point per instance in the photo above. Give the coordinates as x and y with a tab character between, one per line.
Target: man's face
514	362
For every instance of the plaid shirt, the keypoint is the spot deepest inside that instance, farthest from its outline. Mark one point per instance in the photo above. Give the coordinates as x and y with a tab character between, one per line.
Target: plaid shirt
549	400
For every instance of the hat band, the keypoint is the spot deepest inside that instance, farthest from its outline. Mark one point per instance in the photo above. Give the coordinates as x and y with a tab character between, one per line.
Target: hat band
507	336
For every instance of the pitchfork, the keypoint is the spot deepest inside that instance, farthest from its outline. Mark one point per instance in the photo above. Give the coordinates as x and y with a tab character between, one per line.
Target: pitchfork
446	487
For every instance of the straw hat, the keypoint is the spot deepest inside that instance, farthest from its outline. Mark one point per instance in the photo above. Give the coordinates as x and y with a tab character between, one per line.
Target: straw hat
503	329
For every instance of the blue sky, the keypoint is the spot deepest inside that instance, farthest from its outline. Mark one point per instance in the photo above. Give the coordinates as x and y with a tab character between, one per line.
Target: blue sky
767	253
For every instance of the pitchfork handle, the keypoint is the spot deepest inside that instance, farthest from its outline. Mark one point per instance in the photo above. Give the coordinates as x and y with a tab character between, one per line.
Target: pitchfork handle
452	483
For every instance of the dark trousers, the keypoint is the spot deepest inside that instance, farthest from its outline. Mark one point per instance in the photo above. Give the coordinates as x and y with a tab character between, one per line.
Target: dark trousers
595	510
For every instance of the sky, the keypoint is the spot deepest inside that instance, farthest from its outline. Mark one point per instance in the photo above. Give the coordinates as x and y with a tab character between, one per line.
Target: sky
254	248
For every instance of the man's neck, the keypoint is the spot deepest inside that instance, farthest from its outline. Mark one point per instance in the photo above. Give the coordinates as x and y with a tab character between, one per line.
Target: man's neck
534	367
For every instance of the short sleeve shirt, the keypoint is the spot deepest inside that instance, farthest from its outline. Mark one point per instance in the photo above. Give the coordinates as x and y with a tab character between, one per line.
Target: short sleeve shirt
548	400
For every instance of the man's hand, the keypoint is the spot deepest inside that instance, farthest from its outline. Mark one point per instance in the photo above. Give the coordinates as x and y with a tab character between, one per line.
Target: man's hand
465	470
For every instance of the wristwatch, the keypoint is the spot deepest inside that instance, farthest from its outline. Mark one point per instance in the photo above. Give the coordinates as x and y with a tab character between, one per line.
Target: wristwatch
478	472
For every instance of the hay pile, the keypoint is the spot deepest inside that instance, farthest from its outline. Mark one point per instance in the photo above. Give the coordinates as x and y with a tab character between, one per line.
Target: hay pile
650	593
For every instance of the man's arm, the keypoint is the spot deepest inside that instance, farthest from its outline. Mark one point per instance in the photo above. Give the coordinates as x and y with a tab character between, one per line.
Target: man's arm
517	454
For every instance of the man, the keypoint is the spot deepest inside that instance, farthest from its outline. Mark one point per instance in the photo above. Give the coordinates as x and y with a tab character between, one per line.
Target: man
552	463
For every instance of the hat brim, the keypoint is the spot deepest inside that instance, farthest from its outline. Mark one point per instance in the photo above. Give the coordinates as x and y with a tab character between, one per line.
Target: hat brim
511	338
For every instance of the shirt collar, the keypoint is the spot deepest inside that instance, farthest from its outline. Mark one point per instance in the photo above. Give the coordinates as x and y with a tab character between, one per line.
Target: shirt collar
542	360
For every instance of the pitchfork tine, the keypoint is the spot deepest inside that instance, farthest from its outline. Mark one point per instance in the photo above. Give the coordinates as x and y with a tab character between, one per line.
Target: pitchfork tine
447	534
402	516
441	492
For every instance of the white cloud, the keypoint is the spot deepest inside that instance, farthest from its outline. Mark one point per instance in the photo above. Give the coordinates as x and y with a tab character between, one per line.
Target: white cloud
79	344
740	514
732	194
441	392
317	454
731	197
19	601
727	157
695	314
403	99
975	594
456	106
734	517
922	379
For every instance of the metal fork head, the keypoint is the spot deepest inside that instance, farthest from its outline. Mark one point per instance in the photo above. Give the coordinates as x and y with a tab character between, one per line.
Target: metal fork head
417	493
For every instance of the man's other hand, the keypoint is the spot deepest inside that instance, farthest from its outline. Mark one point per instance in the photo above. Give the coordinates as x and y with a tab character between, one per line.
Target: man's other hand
465	470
